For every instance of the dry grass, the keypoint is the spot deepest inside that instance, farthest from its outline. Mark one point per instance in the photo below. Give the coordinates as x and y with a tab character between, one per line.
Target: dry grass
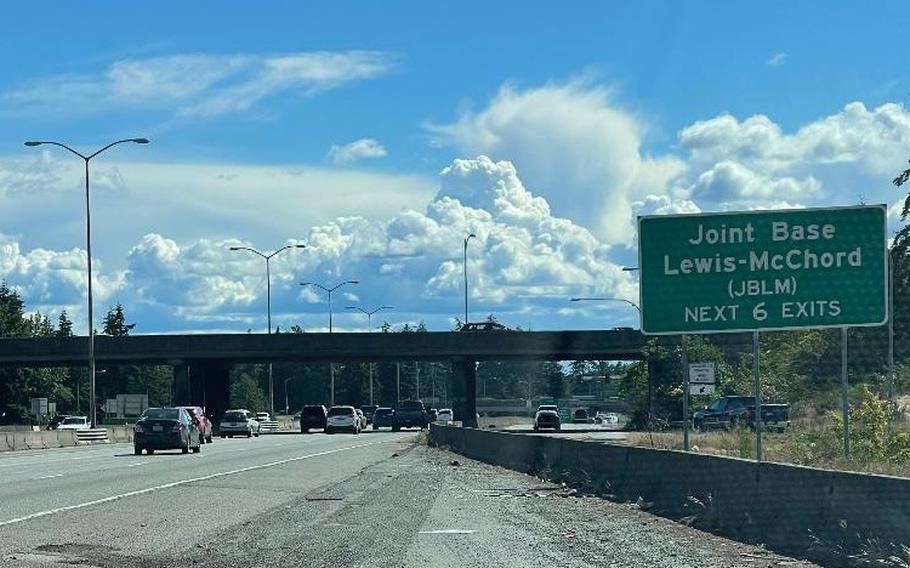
775	448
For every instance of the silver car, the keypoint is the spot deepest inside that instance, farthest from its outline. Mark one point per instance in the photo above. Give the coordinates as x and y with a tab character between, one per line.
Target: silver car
239	422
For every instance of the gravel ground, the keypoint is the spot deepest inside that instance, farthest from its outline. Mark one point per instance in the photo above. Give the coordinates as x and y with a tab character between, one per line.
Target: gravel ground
394	504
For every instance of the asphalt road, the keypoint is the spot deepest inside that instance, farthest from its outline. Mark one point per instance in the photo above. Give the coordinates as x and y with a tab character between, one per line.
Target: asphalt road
317	500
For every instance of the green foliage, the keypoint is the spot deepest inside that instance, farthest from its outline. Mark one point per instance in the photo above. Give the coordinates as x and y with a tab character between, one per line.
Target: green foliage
115	322
246	393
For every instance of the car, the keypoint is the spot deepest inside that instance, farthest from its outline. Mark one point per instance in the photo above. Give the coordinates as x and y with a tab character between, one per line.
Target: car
547	416
606	419
202	421
384	417
432	415
342	418
580	416
444	416
56	421
263	417
166	428
238	422
312	416
74	423
368	410
727	412
362	417
410	414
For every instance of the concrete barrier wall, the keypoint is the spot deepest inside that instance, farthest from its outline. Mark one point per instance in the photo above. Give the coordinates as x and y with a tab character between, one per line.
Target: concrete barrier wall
45	439
792	509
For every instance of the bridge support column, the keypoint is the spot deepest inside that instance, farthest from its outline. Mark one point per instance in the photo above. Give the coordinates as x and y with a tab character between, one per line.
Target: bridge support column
464	373
211	387
182	384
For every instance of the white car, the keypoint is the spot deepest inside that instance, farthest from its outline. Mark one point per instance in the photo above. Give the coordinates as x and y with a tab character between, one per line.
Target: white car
74	423
239	422
263	417
342	418
606	419
444	416
362	417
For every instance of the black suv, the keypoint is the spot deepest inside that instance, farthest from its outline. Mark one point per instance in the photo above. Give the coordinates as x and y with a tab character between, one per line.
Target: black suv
312	416
410	414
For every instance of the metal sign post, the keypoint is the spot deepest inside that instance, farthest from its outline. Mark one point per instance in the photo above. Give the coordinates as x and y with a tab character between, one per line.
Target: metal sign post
845	383
757	386
685	370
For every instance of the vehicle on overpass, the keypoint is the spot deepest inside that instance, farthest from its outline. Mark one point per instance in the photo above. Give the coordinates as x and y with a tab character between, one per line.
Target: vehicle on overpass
728	412
169	428
312	416
444	416
239	422
410	414
547	416
74	423
202	422
342	419
384	417
263	417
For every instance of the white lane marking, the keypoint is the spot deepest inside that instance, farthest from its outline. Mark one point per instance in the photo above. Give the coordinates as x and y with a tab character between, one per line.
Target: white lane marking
184	482
137	464
449	531
49	476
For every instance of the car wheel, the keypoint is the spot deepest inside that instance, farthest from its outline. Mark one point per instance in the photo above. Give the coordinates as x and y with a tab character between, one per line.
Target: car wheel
208	439
185	449
257	433
249	433
201	438
396	428
197	449
223	436
328	430
149	451
137	451
304	430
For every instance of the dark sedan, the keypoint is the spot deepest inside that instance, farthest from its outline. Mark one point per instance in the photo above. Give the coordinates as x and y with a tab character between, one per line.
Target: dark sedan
166	429
312	416
383	417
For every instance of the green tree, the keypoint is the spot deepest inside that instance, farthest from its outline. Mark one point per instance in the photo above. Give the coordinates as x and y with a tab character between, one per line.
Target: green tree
246	393
115	322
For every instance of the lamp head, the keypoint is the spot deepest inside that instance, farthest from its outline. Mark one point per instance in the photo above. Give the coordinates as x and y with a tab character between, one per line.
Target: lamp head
140	140
32	143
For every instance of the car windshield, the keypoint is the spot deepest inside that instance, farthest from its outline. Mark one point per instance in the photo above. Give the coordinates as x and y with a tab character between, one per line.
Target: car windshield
162	414
585	233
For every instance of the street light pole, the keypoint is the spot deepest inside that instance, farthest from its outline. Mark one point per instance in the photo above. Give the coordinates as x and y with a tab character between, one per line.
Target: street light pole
465	270
369	315
287	405
268	303
88	250
328	292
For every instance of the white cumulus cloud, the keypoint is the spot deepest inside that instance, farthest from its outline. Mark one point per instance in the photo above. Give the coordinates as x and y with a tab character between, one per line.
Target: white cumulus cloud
356	150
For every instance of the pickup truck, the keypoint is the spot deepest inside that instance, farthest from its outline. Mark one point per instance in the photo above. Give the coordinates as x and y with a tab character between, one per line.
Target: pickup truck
409	414
729	411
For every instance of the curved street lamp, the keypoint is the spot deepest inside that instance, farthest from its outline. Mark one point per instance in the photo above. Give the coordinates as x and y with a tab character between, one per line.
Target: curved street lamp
268	302
369	315
88	250
329	291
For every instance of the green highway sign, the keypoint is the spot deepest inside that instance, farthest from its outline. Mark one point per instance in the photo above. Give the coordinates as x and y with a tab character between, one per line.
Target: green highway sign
752	270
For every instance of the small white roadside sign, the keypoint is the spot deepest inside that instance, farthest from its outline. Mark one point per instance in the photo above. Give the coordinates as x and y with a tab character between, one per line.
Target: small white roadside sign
701	373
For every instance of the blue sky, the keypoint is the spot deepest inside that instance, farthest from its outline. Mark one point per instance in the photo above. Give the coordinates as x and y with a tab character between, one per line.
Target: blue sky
338	126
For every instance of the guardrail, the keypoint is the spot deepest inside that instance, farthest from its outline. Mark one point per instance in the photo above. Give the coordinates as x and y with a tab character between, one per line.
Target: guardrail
92	435
268	426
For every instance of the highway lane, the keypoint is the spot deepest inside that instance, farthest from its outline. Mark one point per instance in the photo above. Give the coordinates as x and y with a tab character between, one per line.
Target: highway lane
42	480
368	500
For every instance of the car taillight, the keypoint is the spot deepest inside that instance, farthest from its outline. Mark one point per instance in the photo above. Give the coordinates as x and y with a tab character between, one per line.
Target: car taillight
178	427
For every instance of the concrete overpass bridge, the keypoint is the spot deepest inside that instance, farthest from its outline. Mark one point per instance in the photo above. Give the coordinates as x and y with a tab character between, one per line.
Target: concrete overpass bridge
202	362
